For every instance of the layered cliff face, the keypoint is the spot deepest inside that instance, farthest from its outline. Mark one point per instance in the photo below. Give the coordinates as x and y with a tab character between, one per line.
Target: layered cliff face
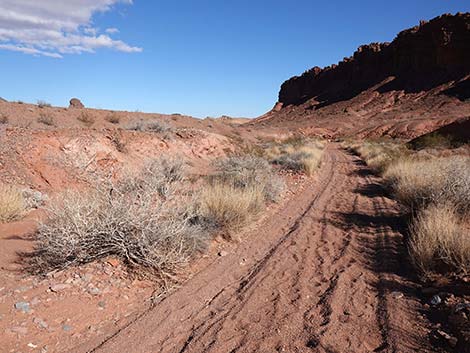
424	68
419	58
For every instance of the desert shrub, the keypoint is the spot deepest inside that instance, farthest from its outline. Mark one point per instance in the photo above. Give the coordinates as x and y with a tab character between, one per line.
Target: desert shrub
43	104
3	119
136	126
418	183
164	174
12	203
298	158
153	126
249	171
379	155
113	118
129	220
440	240
432	140
158	126
46	119
237	192
86	118
229	207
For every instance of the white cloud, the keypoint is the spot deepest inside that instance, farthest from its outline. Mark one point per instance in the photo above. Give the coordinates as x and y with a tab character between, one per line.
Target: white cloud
112	30
56	27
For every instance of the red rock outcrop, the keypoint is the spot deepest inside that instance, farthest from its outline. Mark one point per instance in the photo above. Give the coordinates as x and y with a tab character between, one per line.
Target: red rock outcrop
413	85
419	58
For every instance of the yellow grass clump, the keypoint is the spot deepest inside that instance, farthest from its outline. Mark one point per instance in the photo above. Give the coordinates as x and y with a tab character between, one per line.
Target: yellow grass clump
417	183
297	157
230	207
12	203
440	240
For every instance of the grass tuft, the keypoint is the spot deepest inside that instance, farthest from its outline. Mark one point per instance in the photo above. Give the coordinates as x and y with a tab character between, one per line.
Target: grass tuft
12	203
440	240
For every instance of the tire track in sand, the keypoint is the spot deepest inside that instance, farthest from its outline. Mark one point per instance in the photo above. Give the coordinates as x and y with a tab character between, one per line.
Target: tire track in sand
313	282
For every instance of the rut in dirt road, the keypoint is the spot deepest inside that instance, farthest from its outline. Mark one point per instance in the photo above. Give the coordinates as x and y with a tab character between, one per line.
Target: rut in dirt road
322	275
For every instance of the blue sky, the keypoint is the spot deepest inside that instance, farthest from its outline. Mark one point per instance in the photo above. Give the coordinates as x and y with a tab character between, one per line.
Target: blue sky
201	58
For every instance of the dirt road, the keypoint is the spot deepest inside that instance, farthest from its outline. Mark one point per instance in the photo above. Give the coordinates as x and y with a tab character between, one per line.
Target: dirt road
327	273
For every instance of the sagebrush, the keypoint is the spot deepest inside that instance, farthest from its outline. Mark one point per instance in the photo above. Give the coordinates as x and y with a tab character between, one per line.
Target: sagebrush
129	219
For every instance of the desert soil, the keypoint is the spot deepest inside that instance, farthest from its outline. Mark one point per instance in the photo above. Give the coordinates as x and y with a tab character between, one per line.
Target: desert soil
326	273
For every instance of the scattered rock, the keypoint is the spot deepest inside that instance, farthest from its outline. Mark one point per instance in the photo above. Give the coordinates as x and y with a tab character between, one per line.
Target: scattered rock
94	291
41	323
87	277
436	300
452	341
59	287
462	307
222	253
397	295
23	306
76	103
32	345
67	328
102	304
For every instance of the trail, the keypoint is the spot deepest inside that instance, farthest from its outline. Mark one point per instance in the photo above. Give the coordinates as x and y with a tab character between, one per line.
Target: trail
327	273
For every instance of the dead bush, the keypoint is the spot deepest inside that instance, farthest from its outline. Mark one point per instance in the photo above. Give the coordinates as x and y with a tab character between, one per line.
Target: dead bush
136	126
46	119
440	240
297	157
418	183
3	119
43	104
12	203
129	220
249	171
379	155
113	118
153	126
158	126
86	118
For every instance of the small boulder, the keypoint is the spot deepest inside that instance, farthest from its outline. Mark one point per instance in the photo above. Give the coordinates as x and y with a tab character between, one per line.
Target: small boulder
76	103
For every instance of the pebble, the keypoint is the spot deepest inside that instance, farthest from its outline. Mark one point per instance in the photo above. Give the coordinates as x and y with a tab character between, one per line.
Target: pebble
397	295
461	306
450	339
59	287
222	253
23	306
40	322
94	291
102	304
67	328
436	300
87	277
